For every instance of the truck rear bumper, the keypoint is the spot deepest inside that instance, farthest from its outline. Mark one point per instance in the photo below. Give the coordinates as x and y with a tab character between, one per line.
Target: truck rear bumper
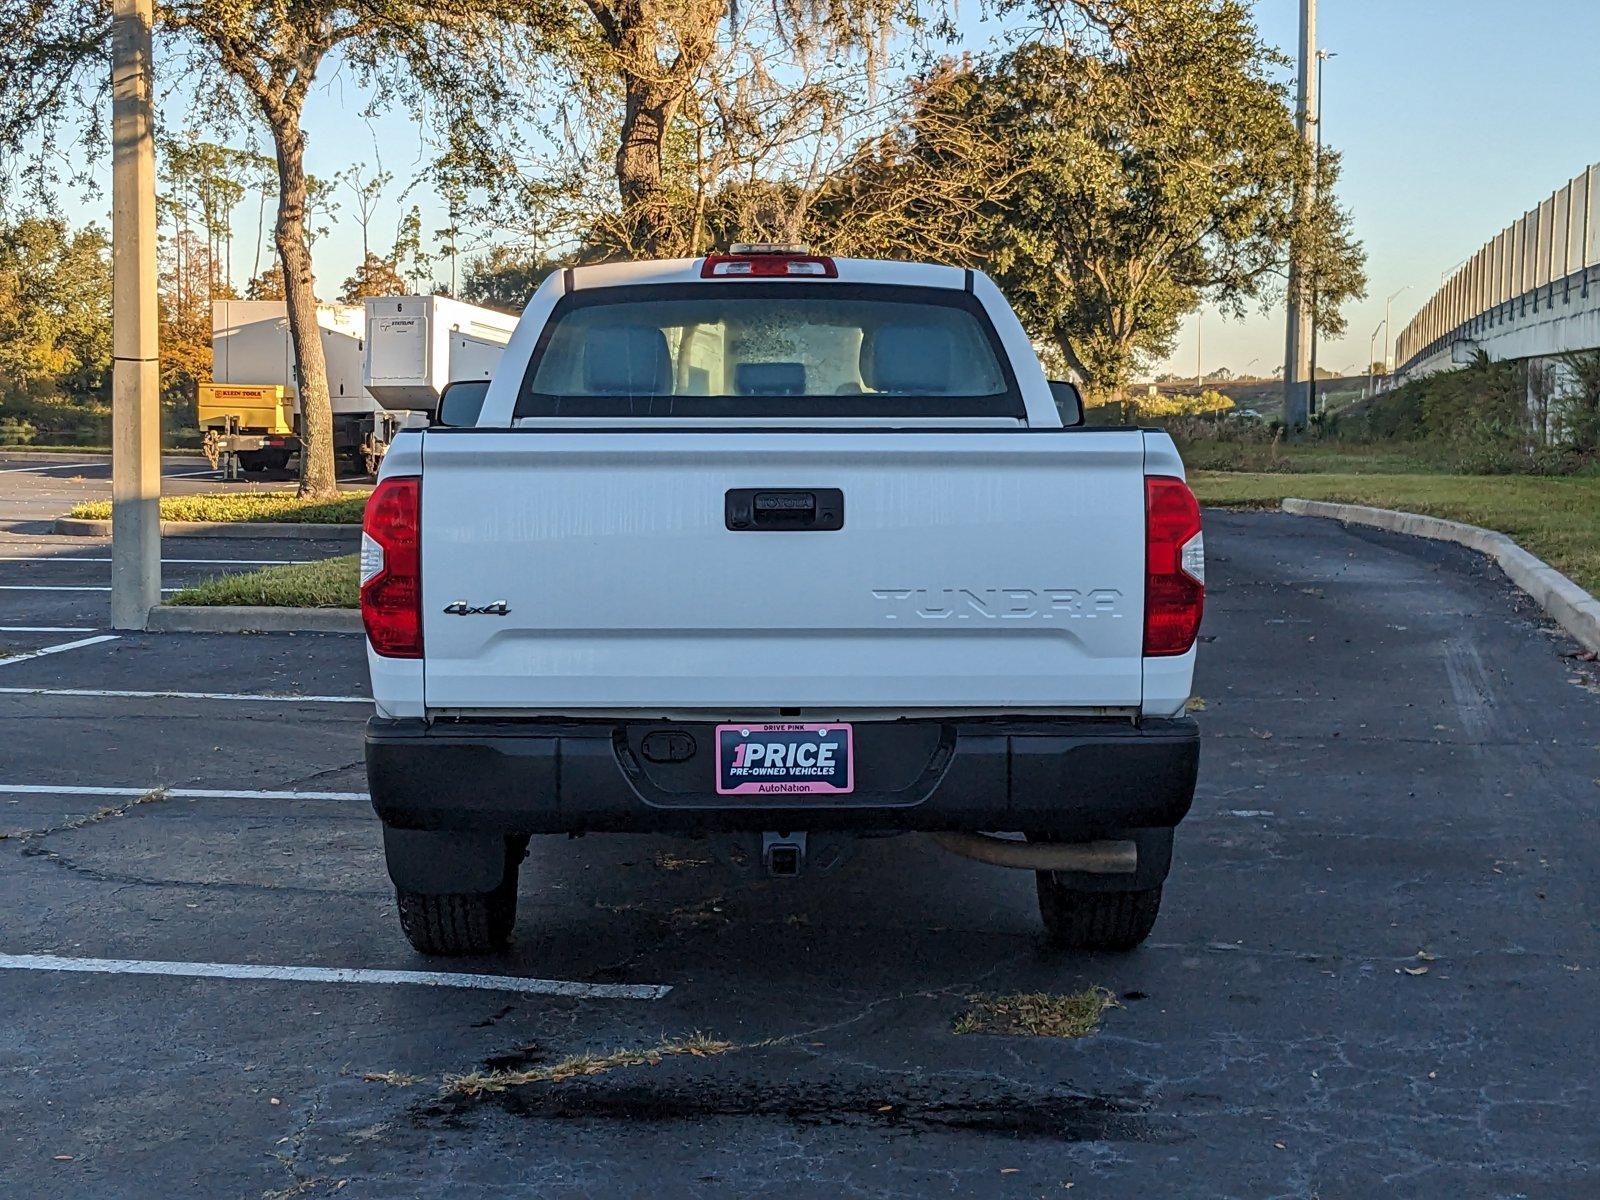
1072	777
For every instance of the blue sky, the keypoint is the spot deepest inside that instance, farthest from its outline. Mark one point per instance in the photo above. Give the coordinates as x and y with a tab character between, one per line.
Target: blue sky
1454	117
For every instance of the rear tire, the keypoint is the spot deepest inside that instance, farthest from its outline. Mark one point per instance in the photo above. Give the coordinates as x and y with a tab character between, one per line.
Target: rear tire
459	923
1075	919
254	462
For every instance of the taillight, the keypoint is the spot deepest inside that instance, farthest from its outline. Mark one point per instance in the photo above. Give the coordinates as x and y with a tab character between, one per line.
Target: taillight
1175	566
391	567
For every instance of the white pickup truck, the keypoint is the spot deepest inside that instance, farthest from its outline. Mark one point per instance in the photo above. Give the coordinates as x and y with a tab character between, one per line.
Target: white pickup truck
781	551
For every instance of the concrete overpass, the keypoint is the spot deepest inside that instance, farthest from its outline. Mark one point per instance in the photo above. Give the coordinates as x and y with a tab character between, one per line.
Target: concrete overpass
1532	291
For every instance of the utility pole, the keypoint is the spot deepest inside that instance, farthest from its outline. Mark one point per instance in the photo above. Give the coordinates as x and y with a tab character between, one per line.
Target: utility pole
136	378
1316	165
1199	378
1297	348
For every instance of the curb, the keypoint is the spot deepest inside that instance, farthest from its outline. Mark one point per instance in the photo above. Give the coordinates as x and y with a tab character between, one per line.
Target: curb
1574	609
250	618
83	527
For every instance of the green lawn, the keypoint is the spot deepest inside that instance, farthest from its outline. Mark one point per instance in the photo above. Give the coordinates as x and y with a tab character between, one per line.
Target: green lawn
1557	518
331	583
244	506
1315	458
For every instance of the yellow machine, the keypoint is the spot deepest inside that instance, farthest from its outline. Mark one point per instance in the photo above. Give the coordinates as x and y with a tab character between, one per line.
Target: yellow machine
265	407
250	424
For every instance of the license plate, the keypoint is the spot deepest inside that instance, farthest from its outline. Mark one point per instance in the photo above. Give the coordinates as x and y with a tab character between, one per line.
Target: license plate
786	759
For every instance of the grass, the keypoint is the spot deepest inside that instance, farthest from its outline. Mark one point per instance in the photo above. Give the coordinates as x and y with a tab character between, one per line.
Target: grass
1312	458
1036	1014
698	1045
329	583
245	506
1555	517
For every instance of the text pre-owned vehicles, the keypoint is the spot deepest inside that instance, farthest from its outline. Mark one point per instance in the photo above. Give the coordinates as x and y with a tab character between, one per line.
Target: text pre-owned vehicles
782	551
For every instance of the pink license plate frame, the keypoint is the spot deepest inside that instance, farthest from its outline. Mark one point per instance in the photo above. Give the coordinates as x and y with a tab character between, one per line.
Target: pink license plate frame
735	773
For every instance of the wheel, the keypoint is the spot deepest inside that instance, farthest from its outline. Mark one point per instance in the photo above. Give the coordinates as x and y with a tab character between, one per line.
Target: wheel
254	462
456	923
1075	919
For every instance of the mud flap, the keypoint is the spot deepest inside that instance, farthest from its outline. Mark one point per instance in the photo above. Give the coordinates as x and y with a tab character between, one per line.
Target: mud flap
422	860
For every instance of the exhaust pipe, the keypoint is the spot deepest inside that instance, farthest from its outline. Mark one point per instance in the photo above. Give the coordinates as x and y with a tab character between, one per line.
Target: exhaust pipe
1089	858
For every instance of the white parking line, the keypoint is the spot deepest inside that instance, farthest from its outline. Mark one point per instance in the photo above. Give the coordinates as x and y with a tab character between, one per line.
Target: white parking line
120	694
89	641
122	793
221	562
450	979
54	587
46	628
48	467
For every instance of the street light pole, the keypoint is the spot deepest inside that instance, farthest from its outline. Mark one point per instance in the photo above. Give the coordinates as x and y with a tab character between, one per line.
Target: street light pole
1387	366
135	377
1371	344
1296	364
1199	378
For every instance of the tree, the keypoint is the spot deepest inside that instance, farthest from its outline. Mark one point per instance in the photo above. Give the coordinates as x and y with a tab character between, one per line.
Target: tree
659	105
204	183
185	306
55	308
1109	181
374	277
368	194
1576	400
260	58
266	286
505	277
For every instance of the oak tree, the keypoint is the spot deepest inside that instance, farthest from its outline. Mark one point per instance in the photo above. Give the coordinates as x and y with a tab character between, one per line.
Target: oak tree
1110	179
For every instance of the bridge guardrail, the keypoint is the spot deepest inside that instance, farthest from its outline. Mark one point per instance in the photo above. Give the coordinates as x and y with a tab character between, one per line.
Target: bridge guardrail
1548	252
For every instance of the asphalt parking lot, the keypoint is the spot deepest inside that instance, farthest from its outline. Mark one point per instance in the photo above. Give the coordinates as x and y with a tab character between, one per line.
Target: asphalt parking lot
1374	975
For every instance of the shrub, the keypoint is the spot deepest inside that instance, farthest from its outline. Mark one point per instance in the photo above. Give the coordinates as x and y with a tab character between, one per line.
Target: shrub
1182	404
1576	402
15	432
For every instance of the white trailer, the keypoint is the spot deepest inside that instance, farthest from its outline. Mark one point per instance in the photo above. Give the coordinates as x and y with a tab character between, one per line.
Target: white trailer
425	342
251	348
418	344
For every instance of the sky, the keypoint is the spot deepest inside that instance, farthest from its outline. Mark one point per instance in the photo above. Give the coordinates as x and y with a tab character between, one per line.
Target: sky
1454	117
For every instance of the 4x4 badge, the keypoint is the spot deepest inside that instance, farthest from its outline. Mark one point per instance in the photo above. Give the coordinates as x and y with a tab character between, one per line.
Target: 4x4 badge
460	608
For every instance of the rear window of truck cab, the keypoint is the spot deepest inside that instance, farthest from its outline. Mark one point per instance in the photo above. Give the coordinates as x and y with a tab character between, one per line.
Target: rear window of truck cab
777	349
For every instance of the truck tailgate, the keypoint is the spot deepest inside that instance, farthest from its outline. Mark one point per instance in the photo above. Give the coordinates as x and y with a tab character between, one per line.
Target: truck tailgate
972	571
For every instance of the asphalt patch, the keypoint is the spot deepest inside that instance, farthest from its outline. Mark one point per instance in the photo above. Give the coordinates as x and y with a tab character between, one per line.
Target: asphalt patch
1064	1116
